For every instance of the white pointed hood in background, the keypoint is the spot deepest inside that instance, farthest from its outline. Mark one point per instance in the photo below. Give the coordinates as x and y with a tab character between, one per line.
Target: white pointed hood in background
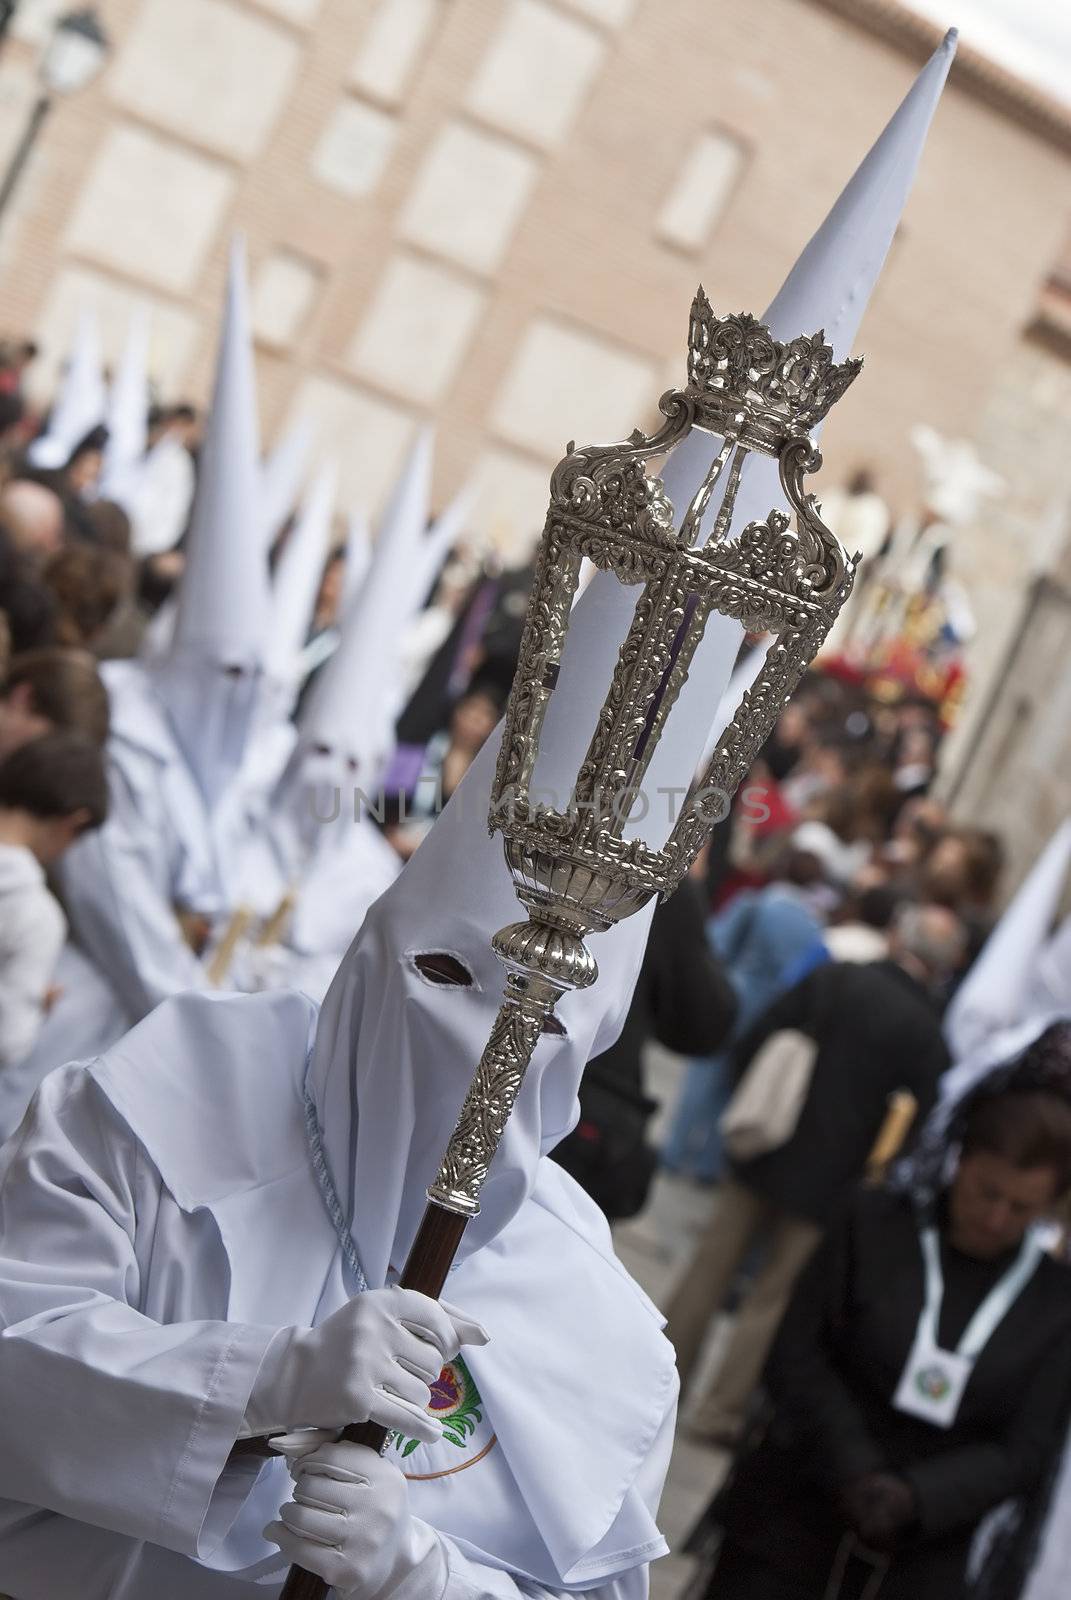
352	707
298	574
212	675
1050	989
1000	988
441	538
81	402
745	672
282	475
828	288
128	416
358	560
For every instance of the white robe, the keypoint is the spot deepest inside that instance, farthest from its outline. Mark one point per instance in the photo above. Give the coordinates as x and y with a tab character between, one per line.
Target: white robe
336	869
32	931
86	1018
160	1220
160	849
155	852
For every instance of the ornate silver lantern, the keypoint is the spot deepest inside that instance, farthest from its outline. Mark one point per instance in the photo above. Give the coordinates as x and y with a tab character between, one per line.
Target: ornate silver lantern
574	870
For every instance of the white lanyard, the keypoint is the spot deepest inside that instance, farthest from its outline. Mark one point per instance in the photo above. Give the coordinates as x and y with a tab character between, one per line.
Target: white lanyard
934	1380
993	1309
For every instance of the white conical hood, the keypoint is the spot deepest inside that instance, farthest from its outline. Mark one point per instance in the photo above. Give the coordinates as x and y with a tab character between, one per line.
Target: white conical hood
441	538
998	990
211	676
224	599
299	572
128	416
81	402
1050	988
352	706
829	288
282	475
358	560
744	674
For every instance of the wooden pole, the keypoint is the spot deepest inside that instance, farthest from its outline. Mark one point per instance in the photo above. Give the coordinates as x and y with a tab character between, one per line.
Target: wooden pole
434	1248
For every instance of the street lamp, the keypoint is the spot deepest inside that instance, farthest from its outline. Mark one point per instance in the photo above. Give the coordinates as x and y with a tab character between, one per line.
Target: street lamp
73	56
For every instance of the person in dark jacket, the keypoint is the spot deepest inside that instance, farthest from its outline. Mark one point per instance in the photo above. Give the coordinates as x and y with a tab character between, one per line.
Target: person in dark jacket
877	1032
918	1382
683	1000
759	937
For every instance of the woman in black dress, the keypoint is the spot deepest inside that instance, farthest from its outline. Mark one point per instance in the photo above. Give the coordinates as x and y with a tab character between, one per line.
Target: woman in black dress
921	1377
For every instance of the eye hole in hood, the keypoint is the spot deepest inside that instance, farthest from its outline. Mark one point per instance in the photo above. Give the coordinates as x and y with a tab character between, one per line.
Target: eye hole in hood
443	969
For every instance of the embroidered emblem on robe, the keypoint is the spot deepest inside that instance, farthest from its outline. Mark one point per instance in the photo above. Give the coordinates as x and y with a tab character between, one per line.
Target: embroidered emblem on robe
456	1403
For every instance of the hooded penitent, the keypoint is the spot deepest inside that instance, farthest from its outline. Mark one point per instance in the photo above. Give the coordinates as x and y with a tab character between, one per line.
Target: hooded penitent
81	402
213	671
128	419
346	728
1001	987
396	1047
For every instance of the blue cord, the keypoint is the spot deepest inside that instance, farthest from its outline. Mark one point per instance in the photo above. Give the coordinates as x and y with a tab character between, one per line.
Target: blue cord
329	1192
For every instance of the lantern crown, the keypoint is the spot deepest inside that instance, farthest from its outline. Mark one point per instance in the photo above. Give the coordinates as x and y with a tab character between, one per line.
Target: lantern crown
735	365
574	863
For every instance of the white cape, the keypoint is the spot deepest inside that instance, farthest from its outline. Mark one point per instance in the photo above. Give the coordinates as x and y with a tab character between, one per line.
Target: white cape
161	1218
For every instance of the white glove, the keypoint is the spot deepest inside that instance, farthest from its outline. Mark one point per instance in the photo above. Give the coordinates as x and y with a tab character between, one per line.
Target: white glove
374	1360
349	1523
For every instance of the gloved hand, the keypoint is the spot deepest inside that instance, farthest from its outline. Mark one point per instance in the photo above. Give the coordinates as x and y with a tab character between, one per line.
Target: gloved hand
374	1360
349	1522
880	1507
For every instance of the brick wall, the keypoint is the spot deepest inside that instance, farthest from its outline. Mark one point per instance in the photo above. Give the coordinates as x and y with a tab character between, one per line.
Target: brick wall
590	109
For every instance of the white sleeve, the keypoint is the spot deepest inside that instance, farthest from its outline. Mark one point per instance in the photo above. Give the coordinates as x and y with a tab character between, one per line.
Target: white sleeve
121	913
470	1580
35	933
109	1417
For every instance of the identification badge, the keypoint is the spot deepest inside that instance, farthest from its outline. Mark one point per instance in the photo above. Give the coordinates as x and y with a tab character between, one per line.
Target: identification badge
934	1381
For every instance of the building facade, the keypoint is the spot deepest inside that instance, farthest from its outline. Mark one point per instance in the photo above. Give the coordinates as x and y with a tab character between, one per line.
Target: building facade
494	213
